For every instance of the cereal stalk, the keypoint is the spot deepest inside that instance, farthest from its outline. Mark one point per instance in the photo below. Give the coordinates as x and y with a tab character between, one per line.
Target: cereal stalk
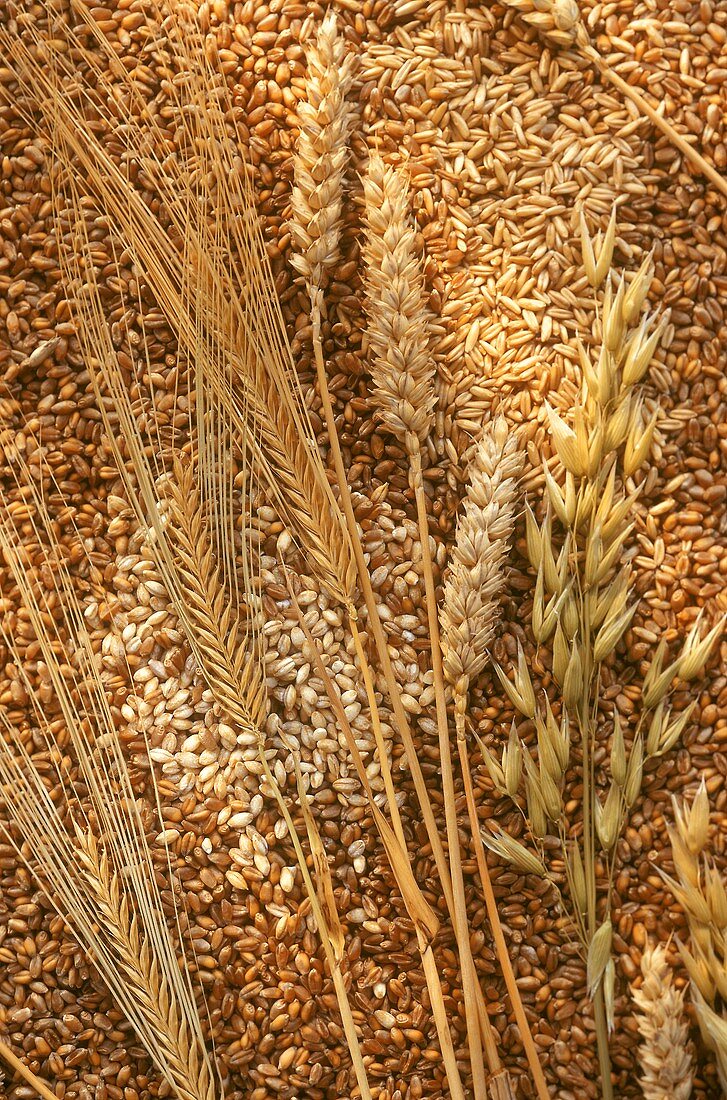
20	1067
469	613
469	976
403	374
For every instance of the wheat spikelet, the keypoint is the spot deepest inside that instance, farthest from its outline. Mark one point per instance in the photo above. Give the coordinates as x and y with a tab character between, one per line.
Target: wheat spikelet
297	492
664	1054
320	158
477	570
401	362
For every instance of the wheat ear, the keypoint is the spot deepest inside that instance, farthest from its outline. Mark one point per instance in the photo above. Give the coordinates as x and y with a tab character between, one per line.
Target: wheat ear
477	565
321	157
403	371
665	1053
326	132
320	160
469	614
399	333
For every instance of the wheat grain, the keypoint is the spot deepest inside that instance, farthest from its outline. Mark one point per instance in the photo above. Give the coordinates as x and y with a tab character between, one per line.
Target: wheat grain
560	22
665	1054
401	361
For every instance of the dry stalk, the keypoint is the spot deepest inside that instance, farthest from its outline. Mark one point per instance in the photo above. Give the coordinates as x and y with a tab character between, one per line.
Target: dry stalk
323	148
11	1059
469	614
561	24
581	601
700	890
225	647
665	1054
403	372
320	162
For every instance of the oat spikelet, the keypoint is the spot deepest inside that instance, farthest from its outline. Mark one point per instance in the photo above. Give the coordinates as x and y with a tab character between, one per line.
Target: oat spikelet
665	1054
321	157
477	569
402	366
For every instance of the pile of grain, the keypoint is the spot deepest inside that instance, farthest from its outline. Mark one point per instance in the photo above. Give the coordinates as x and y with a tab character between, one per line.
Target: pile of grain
504	139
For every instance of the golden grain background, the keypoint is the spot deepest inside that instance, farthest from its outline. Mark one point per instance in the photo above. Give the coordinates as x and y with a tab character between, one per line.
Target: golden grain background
505	138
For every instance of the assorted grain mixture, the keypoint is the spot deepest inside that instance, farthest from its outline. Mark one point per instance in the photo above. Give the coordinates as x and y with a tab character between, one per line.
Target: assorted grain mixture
504	138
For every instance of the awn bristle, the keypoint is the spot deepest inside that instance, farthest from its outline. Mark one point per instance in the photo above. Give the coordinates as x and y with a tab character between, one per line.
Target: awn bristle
321	157
665	1053
477	571
402	365
221	303
89	849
